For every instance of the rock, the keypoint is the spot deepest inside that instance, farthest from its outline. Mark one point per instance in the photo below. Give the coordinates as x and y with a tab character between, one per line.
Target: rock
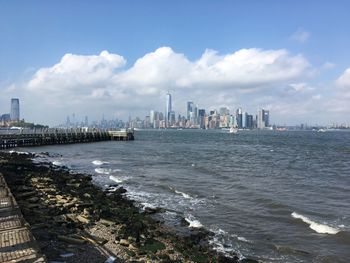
71	240
132	247
26	194
151	210
83	219
124	242
106	222
86	195
33	199
68	205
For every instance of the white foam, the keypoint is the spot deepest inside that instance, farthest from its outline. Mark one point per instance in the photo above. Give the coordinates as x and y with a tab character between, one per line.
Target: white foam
18	152
103	171
57	163
98	162
319	228
187	196
115	179
147	205
193	222
112	189
243	239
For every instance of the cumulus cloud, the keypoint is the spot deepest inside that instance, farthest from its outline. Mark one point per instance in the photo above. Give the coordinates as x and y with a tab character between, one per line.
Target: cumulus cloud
77	71
103	83
300	36
344	80
244	68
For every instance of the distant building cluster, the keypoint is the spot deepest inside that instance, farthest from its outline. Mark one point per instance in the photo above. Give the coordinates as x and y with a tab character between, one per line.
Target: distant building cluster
9	119
196	117
72	121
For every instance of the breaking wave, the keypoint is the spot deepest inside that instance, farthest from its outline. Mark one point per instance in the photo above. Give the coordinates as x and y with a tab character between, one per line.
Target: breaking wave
98	162
103	170
56	163
194	223
115	179
319	228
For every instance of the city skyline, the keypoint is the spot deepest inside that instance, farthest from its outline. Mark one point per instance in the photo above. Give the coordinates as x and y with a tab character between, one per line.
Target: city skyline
286	58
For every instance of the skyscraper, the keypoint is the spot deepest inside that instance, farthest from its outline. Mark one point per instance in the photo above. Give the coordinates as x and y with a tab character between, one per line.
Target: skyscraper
266	118
239	117
168	109
14	114
189	109
263	119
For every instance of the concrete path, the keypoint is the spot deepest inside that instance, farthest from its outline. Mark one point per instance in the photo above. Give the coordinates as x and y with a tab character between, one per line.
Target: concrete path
17	244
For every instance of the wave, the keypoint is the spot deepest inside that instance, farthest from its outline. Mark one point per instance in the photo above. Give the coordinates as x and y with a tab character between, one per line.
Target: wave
319	228
98	162
194	223
115	179
187	196
18	152
57	163
103	170
221	241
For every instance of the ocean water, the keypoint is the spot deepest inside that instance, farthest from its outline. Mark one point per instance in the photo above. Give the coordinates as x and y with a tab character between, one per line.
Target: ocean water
274	196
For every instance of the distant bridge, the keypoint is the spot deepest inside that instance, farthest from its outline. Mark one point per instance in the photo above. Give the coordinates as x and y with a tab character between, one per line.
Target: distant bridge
40	137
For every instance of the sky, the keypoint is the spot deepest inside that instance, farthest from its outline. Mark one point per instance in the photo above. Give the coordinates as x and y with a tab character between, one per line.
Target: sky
116	59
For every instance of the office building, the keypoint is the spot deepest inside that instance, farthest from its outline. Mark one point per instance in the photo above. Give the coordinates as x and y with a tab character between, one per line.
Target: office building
239	118
168	109
263	119
14	114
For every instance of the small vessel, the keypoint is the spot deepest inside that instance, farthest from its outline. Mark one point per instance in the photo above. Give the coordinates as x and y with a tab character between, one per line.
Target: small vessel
233	130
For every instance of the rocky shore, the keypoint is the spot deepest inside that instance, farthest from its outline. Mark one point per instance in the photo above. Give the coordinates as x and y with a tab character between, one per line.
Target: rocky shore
74	220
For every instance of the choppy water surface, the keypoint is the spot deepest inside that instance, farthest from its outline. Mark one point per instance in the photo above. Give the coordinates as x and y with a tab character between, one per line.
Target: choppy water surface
277	196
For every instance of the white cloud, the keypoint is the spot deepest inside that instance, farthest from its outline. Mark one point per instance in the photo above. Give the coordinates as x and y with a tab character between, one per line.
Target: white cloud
77	71
301	36
100	83
344	80
328	65
300	88
244	68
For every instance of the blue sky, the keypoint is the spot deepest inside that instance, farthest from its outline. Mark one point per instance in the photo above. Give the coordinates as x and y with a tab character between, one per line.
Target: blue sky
37	34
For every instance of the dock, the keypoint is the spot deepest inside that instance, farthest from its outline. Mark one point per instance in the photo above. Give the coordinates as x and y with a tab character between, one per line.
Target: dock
17	244
26	138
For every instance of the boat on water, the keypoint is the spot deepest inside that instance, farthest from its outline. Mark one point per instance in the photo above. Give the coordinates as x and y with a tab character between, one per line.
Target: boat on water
233	130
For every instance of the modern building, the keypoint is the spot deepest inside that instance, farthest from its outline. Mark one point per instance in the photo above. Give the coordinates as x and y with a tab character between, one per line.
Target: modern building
168	109
267	118
250	122
263	119
14	114
239	118
172	118
189	109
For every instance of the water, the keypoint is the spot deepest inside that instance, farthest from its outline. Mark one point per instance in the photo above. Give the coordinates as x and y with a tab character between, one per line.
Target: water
276	196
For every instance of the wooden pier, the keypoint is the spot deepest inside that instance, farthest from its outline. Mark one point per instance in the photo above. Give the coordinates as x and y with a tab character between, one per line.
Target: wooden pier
25	138
17	244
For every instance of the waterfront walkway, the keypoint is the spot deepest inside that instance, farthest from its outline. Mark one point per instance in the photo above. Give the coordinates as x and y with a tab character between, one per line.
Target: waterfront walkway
17	244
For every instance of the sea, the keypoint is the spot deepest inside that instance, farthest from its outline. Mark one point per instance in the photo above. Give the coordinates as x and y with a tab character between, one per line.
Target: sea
276	196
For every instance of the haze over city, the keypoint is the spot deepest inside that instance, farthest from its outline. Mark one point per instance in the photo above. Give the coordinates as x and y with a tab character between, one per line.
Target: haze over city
119	59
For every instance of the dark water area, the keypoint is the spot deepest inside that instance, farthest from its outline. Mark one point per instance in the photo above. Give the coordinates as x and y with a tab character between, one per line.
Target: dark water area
276	196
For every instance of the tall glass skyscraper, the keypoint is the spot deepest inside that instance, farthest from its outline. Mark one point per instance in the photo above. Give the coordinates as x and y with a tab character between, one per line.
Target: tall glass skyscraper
14	114
189	109
168	109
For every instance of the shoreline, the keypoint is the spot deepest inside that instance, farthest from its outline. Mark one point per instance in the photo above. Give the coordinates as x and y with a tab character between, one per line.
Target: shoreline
74	220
